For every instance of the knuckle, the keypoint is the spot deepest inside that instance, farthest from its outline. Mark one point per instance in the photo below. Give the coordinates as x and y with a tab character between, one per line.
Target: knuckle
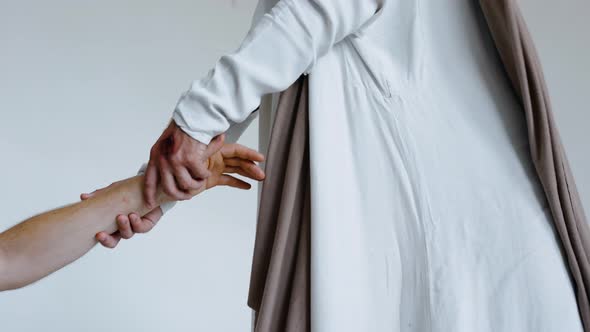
185	184
183	197
168	191
201	171
161	160
150	205
150	179
175	159
154	151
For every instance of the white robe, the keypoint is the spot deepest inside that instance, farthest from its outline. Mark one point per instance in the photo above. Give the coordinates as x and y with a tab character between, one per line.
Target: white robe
427	214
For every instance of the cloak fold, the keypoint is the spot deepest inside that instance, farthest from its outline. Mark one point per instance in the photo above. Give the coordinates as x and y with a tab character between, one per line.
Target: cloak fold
280	286
280	279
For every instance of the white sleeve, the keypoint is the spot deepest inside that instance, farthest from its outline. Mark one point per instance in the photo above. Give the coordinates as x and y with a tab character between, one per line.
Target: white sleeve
166	206
282	45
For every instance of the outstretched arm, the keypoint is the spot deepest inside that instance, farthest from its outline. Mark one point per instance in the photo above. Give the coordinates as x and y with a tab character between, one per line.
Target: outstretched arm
47	242
282	45
285	43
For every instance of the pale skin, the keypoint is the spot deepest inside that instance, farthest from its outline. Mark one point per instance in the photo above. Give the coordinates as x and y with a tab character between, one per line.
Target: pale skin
173	150
47	242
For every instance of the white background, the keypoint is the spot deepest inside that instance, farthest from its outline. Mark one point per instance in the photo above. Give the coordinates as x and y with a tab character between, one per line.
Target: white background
86	87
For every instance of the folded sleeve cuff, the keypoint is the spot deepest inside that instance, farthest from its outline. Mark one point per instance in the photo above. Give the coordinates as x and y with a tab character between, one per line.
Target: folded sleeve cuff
180	120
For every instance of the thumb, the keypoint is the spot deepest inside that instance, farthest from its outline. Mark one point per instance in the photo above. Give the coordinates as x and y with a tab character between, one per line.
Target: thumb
215	145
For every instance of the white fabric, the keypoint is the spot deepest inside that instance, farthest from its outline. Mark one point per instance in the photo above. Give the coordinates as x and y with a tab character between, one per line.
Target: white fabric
427	214
297	32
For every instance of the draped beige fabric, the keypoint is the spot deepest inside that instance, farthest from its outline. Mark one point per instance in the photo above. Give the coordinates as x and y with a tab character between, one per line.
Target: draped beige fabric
280	279
279	284
519	56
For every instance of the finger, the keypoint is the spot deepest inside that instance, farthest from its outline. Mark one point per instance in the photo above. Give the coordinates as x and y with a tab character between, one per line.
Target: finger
141	225
240	151
198	171
169	183
215	145
124	226
151	184
248	166
184	180
108	240
228	180
254	173
236	170
154	215
85	196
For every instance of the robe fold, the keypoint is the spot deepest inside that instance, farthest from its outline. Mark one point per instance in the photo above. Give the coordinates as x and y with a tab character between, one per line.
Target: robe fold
280	284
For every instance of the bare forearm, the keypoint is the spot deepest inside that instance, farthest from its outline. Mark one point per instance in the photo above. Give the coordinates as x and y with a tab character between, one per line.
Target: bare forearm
45	243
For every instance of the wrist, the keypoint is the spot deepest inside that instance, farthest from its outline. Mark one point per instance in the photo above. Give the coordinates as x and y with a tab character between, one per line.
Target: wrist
181	122
130	192
162	198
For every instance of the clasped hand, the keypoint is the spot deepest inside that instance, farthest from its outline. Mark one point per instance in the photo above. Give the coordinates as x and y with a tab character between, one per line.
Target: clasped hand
181	168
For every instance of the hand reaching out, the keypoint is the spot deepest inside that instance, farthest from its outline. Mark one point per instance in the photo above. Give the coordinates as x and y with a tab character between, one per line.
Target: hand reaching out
230	159
237	159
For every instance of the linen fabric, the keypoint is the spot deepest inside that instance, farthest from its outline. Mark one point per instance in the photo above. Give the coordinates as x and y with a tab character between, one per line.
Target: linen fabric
430	200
